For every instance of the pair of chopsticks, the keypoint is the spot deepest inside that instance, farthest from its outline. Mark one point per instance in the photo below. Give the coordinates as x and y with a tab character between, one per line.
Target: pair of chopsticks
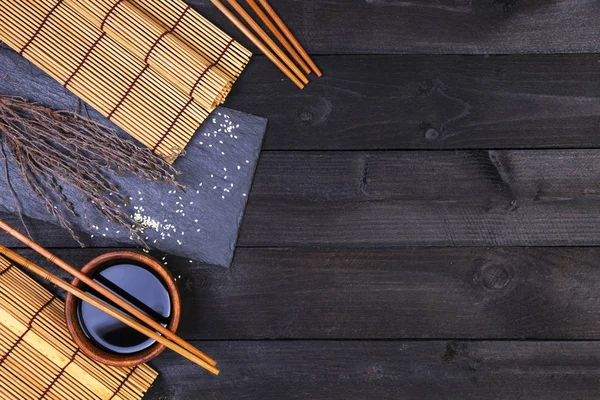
159	333
281	32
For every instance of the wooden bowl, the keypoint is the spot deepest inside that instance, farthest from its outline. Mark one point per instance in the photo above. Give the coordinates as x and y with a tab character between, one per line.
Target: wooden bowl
86	345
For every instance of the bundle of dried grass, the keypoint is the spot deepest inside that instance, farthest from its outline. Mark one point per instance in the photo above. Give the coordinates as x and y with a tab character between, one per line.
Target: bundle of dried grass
54	148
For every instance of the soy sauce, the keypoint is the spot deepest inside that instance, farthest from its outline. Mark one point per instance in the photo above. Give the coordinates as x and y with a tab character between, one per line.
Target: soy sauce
140	287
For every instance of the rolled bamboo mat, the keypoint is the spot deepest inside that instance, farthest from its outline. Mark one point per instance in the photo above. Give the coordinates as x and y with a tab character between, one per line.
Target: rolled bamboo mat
152	105
146	37
198	33
39	360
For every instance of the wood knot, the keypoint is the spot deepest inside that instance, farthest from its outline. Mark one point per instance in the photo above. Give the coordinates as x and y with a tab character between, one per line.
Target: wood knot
494	277
432	134
306	116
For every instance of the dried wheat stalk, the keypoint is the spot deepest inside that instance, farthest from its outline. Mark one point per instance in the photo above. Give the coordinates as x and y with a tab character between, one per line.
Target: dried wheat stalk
54	148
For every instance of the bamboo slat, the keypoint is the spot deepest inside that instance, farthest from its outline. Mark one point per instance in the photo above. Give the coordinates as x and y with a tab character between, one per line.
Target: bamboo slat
39	360
136	69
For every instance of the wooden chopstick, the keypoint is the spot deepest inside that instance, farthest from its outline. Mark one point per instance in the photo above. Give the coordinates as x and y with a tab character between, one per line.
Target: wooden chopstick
290	36
265	37
41	272
105	292
267	21
256	41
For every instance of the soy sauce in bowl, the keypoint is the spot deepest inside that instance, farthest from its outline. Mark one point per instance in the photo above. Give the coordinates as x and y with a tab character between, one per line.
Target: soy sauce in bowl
139	286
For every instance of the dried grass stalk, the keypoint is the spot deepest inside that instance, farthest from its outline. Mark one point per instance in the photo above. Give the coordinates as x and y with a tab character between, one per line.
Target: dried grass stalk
55	148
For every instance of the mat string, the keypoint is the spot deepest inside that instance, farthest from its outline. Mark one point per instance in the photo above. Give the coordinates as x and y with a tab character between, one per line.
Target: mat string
112	9
39	29
164	135
211	66
5	270
123	383
29	327
60	373
129	89
84	59
166	33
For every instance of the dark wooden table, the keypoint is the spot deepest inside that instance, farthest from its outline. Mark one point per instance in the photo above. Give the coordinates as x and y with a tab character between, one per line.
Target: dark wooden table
425	218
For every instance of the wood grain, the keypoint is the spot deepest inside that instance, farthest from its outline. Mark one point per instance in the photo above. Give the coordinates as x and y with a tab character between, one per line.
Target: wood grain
413	293
440	27
415	198
409	102
460	198
388	370
429	102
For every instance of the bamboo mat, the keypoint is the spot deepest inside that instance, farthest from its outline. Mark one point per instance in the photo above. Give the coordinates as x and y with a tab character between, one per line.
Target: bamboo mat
38	359
155	68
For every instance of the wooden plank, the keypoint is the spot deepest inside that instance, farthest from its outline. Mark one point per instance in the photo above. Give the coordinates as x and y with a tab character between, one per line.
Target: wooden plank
411	102
418	198
429	102
385	370
416	293
390	199
445	26
464	198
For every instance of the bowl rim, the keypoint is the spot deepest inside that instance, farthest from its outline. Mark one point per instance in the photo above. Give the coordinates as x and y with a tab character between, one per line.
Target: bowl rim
87	346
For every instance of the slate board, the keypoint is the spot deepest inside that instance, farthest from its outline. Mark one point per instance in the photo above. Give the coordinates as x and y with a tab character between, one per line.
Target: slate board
201	224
